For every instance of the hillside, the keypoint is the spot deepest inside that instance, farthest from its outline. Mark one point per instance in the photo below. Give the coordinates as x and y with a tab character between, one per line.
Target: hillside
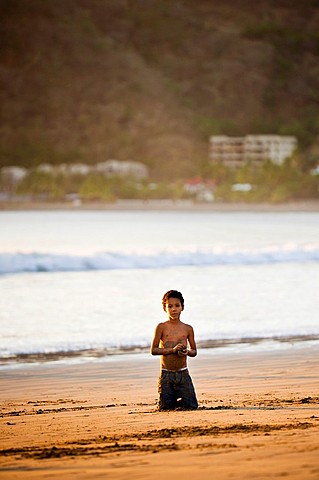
150	80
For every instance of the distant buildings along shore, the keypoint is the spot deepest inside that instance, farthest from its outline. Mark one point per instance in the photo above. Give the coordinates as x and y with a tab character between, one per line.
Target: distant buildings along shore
256	149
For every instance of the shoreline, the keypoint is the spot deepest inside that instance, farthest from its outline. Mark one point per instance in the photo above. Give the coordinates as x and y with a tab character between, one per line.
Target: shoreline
161	205
258	416
224	346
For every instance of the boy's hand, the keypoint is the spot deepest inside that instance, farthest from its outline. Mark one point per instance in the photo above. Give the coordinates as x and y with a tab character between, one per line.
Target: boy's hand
182	353
179	348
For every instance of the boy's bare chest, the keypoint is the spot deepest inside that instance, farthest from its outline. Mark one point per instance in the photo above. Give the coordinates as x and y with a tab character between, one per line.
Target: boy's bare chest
172	333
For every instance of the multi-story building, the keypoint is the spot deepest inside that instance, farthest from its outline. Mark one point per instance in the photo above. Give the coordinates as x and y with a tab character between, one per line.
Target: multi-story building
256	149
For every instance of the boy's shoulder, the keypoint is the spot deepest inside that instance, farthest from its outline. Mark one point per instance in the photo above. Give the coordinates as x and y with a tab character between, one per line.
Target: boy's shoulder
162	324
186	325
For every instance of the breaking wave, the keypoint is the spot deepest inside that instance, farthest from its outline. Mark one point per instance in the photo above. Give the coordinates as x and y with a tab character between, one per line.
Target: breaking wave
13	263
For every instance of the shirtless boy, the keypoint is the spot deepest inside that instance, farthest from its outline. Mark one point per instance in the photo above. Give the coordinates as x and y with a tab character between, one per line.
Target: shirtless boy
174	341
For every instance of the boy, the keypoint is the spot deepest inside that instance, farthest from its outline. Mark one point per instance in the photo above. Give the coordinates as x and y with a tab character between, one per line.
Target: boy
174	341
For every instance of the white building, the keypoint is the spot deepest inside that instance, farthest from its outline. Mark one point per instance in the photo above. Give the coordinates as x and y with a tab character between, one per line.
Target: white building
45	168
122	168
257	149
78	169
12	176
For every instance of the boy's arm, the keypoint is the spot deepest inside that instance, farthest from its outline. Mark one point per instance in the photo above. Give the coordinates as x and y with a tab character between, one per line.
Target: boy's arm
156	349
192	352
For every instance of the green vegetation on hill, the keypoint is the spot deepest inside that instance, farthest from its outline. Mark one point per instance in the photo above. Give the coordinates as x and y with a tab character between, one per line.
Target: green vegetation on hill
150	80
268	183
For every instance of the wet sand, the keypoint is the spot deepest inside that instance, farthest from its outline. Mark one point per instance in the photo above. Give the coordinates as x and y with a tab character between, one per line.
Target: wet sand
258	418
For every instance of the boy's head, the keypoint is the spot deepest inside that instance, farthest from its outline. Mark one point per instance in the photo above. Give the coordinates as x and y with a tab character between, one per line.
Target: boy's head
172	294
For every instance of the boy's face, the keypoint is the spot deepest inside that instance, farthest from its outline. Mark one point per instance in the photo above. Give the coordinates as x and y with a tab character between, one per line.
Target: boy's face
174	308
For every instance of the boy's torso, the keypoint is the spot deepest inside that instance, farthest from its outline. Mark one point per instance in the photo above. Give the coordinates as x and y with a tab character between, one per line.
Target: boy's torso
174	333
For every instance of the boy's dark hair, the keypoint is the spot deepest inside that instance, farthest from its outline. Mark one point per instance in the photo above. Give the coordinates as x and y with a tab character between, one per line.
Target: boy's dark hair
172	294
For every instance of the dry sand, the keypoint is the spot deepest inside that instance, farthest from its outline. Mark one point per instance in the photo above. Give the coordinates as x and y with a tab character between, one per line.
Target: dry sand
164	205
258	418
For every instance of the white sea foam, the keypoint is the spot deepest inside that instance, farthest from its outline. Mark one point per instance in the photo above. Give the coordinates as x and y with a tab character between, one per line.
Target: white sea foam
49	262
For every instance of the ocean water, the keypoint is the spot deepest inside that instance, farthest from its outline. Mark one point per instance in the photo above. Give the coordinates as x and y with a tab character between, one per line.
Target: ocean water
90	283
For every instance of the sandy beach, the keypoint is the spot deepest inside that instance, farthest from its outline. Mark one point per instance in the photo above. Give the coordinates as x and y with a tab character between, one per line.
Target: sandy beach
258	418
163	205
